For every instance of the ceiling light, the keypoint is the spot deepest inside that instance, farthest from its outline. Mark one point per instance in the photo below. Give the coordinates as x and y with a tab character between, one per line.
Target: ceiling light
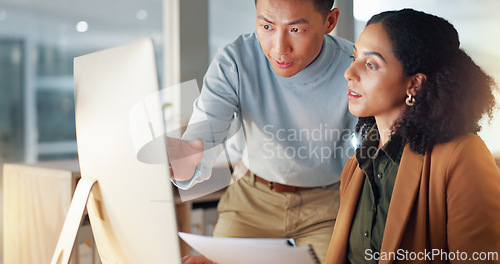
82	26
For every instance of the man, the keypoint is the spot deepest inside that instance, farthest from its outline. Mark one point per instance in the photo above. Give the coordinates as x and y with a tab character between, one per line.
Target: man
286	84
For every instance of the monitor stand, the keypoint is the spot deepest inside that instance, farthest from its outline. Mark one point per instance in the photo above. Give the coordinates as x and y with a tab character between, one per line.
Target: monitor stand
73	221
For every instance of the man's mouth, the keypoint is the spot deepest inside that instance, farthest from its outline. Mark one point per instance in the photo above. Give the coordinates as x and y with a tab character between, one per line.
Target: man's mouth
283	64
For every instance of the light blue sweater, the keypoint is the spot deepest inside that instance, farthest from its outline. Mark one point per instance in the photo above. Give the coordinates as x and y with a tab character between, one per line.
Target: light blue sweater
297	130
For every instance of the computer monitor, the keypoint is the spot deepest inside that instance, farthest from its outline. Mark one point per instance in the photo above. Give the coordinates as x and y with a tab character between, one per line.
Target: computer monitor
131	204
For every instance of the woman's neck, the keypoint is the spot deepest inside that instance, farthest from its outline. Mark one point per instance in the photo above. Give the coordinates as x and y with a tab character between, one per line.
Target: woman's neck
385	123
384	126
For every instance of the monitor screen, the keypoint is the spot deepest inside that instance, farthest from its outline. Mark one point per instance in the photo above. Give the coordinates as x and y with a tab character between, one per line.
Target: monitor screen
131	207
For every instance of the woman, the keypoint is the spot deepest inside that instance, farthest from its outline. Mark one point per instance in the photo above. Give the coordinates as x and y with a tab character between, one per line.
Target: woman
422	187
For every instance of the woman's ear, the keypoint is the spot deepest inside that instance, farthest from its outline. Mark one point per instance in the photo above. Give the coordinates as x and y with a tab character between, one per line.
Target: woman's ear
416	82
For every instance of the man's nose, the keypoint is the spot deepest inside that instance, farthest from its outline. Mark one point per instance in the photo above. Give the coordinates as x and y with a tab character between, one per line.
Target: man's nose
282	44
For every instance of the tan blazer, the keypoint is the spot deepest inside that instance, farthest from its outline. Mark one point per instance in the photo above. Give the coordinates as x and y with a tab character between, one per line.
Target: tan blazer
445	201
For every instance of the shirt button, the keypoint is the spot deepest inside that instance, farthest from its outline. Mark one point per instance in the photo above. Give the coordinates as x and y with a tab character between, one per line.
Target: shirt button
380	175
366	234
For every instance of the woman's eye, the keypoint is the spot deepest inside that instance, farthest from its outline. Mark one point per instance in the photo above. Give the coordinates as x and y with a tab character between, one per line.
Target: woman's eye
371	66
267	27
353	58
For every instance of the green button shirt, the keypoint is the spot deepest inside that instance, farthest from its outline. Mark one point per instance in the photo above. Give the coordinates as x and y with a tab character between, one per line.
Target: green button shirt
380	168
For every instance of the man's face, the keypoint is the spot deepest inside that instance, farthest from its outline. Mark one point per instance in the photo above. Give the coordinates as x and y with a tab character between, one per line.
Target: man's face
291	33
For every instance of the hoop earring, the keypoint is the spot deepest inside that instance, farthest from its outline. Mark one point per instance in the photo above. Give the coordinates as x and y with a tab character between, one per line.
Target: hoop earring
410	100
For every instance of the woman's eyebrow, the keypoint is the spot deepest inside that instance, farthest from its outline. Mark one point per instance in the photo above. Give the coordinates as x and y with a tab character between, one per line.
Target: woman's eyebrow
371	53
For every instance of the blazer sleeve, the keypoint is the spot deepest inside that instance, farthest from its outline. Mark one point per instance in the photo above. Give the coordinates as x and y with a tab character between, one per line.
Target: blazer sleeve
473	202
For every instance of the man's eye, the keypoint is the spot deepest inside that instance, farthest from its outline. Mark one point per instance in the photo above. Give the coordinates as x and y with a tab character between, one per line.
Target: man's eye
295	30
267	27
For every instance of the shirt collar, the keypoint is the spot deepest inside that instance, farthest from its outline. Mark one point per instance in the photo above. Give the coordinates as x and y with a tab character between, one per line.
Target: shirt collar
369	147
394	148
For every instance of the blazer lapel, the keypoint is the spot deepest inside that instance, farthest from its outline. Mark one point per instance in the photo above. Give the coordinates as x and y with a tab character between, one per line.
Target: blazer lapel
349	202
403	199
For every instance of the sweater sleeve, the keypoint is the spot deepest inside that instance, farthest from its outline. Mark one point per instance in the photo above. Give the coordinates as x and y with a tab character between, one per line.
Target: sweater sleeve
213	112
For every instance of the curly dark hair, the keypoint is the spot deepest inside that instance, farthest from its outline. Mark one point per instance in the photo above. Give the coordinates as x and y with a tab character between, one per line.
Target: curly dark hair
457	92
322	6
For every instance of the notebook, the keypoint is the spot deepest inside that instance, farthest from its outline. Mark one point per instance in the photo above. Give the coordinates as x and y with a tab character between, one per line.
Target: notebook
226	250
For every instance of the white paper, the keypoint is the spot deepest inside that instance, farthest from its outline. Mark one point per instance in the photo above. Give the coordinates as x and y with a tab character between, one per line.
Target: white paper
224	250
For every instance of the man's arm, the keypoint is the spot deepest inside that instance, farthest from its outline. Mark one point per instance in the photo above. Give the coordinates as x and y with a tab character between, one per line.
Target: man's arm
213	113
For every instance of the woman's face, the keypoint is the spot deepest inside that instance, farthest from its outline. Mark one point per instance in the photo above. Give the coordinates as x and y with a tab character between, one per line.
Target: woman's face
376	84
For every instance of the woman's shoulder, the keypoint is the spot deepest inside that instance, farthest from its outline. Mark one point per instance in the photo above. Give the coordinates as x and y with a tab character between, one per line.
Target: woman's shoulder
468	142
465	153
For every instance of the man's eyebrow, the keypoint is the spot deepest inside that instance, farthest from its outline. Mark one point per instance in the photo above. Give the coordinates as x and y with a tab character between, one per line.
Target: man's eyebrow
371	53
298	21
265	19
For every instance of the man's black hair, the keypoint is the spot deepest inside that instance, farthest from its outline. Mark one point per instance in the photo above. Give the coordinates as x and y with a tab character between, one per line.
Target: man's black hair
322	6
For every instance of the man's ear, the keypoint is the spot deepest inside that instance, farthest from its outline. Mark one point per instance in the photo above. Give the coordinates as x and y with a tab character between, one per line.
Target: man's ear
416	82
331	20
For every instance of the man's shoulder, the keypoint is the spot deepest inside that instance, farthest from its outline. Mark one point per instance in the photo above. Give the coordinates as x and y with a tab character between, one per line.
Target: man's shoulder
245	38
244	52
339	43
245	43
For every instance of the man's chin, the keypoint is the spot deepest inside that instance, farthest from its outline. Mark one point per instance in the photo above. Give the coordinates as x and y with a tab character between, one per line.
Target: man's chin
285	73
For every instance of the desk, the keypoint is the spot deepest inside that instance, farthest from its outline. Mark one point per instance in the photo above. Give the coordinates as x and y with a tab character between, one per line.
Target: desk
36	200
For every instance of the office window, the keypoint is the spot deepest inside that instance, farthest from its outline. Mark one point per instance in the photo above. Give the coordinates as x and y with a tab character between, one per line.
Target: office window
38	42
11	100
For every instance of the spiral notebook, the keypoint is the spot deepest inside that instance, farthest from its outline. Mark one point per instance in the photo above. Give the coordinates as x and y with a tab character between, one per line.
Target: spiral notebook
225	250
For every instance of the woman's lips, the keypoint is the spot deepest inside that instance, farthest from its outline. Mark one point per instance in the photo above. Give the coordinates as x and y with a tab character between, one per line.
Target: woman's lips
352	95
